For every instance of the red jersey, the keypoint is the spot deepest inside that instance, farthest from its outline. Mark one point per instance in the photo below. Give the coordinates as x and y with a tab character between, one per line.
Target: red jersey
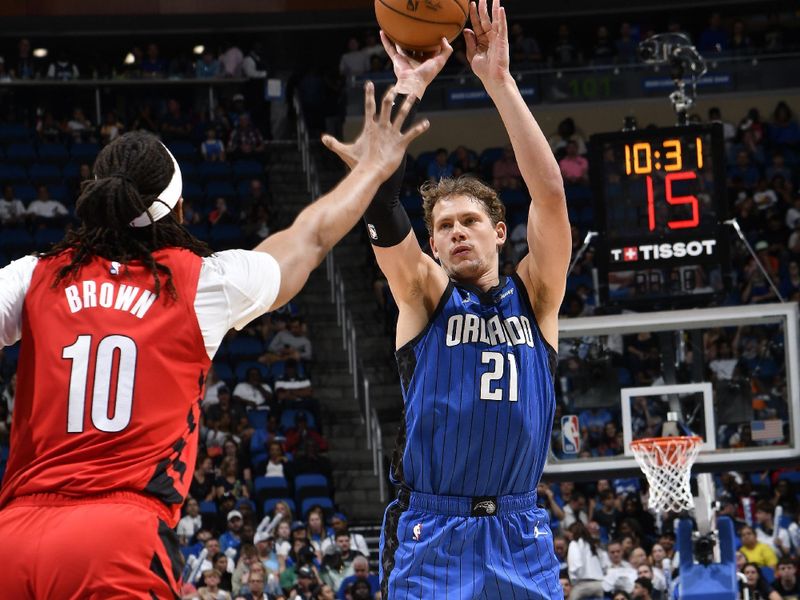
109	383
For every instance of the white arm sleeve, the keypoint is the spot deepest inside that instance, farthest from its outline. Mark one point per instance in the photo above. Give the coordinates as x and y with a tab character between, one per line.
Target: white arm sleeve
235	287
15	279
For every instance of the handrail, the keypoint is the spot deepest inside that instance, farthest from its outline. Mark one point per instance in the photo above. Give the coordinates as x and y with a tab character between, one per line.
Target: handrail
344	318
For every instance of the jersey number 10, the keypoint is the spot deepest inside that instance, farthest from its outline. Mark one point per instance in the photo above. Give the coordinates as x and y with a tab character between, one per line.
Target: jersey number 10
495	373
79	353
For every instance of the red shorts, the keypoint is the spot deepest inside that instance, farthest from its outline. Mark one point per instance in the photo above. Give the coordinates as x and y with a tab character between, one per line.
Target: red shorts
111	546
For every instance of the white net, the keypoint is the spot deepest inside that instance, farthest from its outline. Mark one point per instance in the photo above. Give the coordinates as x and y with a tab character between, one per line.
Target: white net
667	463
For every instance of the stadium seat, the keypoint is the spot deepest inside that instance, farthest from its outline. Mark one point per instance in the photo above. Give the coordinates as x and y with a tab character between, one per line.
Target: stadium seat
310	503
15	241
208	507
269	504
223	237
258	418
200	231
241	369
248	169
487	159
41	173
24	191
310	485
515	198
183	151
84	153
14	132
224	372
58	191
13	174
72	171
21	153
188	171
44	237
244	347
423	161
214	171
53	153
244	186
791	476
217	189
289	414
268	488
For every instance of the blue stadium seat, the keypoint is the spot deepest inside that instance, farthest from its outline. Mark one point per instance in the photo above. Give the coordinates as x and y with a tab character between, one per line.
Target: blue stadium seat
279	367
258	418
248	169
24	191
183	151
270	483
423	161
200	231
577	193
312	485
15	241
193	191
13	173
14	132
761	479
225	236
310	503
53	153
188	172
245	347
244	186
85	152
792	476
44	237
208	507
214	171
40	173
58	191
243	367
224	372
488	157
72	171
269	504
216	189
21	153
515	198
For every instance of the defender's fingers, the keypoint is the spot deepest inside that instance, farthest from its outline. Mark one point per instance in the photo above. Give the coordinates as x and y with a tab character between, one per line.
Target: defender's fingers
417	130
474	18
402	114
386	106
369	101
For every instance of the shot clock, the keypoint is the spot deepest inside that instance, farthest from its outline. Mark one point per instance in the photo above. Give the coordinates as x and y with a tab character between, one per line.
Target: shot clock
660	203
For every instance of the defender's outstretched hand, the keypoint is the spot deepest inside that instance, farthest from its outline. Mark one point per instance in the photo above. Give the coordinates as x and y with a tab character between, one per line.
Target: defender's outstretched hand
487	42
382	144
414	77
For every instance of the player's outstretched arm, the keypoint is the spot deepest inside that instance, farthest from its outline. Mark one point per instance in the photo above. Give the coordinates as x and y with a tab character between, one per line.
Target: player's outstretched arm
301	248
544	269
416	280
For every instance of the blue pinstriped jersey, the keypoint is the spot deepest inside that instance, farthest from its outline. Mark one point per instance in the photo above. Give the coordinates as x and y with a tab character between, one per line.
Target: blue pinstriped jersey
478	396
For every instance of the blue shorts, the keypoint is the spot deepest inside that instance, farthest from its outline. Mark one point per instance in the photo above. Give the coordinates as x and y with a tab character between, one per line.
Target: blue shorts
454	548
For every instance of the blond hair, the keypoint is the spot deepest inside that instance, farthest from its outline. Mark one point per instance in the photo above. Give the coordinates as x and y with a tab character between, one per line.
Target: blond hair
465	185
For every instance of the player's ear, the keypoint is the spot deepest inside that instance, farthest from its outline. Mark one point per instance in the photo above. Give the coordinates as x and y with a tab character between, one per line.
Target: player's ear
433	248
502	233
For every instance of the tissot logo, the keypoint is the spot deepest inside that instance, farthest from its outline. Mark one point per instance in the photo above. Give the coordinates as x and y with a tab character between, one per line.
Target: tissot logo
663	251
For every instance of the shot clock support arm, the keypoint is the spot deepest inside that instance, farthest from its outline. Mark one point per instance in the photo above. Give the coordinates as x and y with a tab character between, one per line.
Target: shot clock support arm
735	224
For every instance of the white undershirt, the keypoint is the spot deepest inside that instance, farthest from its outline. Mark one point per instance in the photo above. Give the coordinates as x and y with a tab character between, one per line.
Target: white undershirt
234	287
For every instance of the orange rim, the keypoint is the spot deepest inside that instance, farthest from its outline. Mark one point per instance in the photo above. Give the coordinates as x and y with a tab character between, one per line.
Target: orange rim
674	449
666	441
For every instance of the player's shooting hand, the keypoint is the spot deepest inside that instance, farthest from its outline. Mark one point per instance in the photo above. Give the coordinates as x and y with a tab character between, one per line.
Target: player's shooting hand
382	144
487	43
414	77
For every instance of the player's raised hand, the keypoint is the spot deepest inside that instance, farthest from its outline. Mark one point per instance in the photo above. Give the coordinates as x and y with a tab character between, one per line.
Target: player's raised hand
382	144
487	42
414	77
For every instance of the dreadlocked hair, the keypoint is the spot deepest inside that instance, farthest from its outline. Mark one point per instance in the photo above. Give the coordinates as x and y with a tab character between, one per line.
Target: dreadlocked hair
129	174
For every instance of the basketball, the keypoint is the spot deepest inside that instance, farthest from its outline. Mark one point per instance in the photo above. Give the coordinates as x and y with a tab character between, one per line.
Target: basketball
419	25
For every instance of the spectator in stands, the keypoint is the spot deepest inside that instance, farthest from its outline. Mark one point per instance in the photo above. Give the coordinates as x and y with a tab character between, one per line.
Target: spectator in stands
561	547
231	538
728	128
253	391
714	38
354	62
288	344
256	585
208	66
585	564
774	35
505	171
525	49
48	130
246	140
202	486
765	531
227	417
111	129
79	127
213	384
190	523
224	565
153	66
574	510
372	45
265	545
626	46
784	132
12	209
229	481
283	544
756	552
297	435
211	589
756	584
63	69
257	226
5	76
175	126
439	168
293	390
619	574
306	582
220	215
567	132
786	583
24	67
605	512
338	561
145	120
565	51
603	50
642	589
44	210
360	573
248	556
231	61
256	196
574	167
277	461
316	531
356	540
212	149
740	42
464	162
307	459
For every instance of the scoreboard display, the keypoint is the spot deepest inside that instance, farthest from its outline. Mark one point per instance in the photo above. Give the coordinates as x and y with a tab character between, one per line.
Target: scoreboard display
660	206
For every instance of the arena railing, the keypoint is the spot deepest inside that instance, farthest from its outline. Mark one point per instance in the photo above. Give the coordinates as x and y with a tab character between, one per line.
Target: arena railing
601	82
344	317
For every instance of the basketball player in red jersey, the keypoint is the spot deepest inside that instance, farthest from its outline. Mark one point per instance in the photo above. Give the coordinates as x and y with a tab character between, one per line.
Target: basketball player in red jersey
119	323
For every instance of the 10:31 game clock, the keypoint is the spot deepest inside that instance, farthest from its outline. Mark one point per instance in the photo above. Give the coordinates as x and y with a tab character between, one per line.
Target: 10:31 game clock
660	202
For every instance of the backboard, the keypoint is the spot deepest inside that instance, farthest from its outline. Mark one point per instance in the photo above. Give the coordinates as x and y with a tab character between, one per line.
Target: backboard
730	373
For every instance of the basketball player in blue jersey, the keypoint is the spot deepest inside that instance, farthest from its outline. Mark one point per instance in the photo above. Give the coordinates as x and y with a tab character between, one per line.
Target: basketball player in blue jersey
476	357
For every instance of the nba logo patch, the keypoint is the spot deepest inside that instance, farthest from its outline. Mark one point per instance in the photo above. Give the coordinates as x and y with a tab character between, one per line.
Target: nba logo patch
373	233
114	267
570	434
417	531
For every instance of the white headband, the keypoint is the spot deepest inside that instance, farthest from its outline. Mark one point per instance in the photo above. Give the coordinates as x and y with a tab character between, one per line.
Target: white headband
165	201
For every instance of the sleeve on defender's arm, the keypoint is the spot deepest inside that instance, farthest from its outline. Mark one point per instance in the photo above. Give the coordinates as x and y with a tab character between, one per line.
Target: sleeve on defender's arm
235	287
15	279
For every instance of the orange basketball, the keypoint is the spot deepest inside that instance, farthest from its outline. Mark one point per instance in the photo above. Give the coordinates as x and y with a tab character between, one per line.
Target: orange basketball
419	25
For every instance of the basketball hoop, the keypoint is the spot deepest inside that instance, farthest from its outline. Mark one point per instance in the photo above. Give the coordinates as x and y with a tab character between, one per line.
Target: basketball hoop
667	463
